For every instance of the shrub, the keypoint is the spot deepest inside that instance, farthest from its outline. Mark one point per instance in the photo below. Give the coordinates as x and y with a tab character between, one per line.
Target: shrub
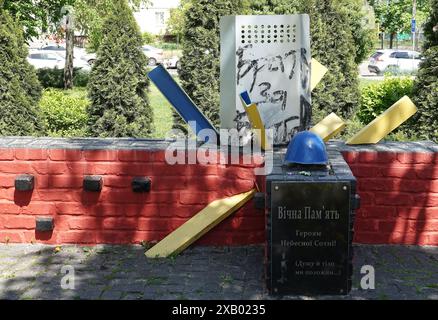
81	78
54	78
378	97
148	38
64	112
19	86
118	82
426	84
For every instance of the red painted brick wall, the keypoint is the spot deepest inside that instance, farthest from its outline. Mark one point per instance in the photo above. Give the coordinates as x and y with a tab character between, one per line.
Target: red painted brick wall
117	214
399	197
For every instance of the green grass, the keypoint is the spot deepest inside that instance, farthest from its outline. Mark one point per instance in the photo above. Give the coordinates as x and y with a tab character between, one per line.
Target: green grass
162	112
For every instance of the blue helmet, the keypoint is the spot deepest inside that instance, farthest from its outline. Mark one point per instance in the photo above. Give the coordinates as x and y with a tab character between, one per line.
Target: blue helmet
306	148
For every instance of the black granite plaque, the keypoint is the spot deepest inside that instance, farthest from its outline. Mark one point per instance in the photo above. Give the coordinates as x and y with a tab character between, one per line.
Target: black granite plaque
309	237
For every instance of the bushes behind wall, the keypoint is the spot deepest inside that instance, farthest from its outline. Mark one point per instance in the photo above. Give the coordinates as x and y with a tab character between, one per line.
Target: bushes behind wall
54	78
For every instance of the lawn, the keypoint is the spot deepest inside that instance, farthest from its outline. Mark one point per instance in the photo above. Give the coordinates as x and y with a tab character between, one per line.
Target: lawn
162	112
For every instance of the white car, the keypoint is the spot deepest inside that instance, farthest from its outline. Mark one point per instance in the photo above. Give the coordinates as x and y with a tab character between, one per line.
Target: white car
51	59
44	59
155	56
394	61
79	53
172	63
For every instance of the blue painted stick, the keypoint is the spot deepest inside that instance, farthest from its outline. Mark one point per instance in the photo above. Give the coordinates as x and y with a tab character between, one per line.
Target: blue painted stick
245	97
179	99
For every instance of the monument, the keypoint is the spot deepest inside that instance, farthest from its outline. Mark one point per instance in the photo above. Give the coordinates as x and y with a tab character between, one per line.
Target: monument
310	217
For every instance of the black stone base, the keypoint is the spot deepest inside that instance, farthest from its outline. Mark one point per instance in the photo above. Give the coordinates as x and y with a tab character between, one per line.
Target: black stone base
310	218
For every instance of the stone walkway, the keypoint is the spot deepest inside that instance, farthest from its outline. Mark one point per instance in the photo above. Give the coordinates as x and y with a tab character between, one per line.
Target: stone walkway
123	272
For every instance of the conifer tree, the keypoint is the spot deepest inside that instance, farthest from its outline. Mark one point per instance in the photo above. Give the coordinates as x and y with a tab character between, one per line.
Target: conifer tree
200	64
425	93
20	90
332	44
118	82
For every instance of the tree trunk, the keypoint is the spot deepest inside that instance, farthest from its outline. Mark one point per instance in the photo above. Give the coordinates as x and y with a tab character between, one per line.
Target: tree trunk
391	39
68	69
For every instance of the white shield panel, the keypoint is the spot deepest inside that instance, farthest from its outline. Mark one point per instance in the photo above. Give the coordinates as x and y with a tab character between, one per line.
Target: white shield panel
268	56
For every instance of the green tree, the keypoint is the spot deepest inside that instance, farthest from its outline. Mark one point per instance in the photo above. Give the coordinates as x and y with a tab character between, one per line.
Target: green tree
20	90
394	16
333	44
363	36
425	93
36	16
91	15
200	66
175	24
118	83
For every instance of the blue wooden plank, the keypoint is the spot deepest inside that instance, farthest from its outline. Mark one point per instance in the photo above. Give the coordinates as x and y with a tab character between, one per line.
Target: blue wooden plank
179	99
245	97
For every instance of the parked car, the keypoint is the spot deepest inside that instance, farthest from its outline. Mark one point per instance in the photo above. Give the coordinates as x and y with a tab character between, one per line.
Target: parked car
394	60
57	48
42	59
79	53
50	59
155	56
90	58
172	63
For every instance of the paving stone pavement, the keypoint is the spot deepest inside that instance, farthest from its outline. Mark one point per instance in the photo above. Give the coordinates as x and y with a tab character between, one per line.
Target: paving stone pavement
123	272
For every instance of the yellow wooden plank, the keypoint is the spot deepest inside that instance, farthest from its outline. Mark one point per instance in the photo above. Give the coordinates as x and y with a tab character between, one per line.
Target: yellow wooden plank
256	123
393	117
198	225
317	73
328	127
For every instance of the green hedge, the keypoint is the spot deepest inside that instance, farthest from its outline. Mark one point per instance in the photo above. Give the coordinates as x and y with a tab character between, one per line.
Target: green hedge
54	78
64	112
378	97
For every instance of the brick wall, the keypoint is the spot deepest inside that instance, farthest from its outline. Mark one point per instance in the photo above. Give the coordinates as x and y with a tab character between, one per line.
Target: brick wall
398	185
117	214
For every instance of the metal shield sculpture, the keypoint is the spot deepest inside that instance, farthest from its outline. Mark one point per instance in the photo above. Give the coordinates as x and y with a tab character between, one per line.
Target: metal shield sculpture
268	55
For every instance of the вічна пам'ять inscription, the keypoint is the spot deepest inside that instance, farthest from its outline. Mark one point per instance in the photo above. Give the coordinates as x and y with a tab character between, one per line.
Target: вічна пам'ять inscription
309	237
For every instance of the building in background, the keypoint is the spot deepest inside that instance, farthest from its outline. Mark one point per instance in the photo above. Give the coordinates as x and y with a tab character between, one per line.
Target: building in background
153	19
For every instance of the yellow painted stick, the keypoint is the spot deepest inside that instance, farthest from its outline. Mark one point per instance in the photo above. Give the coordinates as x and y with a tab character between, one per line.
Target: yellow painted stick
393	117
198	225
328	127
317	73
256	123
